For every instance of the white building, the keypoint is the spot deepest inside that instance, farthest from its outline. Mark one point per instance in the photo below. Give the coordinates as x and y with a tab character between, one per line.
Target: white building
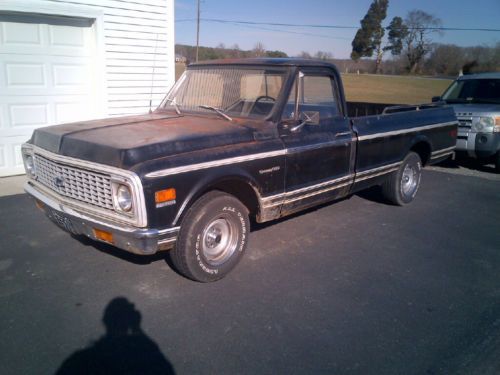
68	60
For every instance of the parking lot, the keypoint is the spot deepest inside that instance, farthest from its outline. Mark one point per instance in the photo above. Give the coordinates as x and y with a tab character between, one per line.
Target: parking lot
355	287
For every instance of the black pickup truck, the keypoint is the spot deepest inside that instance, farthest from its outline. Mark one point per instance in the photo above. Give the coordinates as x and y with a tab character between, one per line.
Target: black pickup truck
233	140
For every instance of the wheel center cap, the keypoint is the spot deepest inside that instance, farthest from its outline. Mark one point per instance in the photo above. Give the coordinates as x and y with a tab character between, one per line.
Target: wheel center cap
213	239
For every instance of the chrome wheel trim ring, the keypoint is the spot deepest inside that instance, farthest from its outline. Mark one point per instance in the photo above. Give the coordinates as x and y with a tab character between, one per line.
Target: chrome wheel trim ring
409	180
219	240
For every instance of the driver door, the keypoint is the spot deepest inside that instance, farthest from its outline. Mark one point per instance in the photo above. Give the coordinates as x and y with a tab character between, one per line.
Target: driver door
318	139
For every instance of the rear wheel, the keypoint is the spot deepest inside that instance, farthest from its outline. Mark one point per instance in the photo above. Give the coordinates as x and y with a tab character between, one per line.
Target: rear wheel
213	237
401	186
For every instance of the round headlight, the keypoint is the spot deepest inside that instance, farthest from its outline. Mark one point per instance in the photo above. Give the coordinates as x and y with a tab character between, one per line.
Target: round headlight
29	165
124	198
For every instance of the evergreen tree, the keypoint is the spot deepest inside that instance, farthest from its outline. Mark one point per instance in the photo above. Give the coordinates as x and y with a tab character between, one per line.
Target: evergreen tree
397	32
368	39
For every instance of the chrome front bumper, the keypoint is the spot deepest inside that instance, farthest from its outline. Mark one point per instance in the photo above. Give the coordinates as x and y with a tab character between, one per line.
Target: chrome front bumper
135	240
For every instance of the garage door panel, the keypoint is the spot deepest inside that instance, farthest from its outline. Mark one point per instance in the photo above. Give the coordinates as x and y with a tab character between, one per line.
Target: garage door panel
26	113
67	36
25	34
25	75
71	75
10	155
69	111
33	39
59	78
29	114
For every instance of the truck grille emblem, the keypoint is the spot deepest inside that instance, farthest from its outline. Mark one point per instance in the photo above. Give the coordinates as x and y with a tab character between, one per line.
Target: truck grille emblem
59	182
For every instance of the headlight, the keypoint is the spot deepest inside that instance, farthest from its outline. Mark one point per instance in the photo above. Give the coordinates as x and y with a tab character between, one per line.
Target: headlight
124	198
29	164
483	124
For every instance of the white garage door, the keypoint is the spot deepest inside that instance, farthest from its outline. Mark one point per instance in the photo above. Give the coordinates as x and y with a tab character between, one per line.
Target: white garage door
47	76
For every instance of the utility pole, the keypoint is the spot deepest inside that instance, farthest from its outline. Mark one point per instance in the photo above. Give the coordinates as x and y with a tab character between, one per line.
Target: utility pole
198	31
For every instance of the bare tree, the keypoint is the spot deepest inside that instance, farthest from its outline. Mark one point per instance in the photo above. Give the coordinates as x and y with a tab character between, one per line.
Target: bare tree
259	50
305	55
322	55
417	42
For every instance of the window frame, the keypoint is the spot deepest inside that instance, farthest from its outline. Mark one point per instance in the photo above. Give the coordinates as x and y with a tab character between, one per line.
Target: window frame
298	85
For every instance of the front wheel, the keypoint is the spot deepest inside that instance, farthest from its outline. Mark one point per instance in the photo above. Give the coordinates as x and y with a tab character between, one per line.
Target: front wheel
213	237
401	186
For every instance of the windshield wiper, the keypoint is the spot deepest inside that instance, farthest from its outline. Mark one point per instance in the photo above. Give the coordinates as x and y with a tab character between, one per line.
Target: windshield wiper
218	110
177	109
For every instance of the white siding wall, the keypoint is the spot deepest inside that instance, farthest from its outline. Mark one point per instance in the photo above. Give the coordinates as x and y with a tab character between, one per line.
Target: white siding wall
138	41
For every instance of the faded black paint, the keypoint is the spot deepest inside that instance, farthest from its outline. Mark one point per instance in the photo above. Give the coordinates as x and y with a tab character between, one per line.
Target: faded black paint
163	140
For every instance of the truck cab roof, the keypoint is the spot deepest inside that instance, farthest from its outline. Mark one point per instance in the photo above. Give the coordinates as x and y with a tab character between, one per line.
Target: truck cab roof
289	61
490	75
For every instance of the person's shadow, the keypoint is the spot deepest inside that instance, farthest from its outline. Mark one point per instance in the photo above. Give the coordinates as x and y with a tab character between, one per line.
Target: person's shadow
124	349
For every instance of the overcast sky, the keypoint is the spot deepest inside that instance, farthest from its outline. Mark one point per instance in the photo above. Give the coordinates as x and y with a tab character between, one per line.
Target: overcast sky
453	13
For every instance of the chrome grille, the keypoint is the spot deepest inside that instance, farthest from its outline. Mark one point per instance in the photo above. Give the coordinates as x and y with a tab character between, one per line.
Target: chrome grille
80	184
464	125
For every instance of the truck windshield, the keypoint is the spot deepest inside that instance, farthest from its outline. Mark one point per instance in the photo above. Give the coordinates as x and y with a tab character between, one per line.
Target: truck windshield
227	91
473	91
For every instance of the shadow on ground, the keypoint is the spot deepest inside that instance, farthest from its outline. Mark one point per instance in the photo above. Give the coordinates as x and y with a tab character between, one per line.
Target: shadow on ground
121	254
123	349
467	162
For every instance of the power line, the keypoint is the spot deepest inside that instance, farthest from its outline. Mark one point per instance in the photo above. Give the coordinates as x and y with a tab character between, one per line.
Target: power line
291	32
272	29
217	20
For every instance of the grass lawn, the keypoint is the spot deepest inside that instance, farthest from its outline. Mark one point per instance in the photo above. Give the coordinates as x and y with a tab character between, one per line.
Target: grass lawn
392	89
382	89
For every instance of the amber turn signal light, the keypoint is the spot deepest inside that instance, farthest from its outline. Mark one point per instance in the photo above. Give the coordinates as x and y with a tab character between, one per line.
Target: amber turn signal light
103	235
39	204
165	195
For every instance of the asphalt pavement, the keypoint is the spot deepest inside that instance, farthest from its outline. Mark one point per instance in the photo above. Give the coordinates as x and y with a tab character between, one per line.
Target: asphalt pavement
354	287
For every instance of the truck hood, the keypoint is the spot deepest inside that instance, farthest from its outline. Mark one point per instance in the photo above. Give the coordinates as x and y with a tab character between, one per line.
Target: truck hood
126	141
475	109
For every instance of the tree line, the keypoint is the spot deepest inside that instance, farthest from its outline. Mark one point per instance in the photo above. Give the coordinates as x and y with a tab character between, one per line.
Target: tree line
223	52
409	40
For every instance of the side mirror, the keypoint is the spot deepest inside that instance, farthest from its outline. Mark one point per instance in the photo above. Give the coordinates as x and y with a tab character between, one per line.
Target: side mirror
436	99
306	118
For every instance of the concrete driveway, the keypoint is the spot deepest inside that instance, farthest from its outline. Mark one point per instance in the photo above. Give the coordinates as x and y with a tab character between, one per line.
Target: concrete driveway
355	287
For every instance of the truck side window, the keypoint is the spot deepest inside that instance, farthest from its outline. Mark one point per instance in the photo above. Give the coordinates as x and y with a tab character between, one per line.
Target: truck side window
319	95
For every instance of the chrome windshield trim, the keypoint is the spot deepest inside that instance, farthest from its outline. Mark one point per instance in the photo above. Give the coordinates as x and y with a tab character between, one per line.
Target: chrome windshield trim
214	163
140	217
405	131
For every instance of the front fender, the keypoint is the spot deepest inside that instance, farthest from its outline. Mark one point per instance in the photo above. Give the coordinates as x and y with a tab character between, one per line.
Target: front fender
217	179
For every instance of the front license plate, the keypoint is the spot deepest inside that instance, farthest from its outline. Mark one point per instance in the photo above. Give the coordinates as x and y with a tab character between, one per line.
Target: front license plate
60	220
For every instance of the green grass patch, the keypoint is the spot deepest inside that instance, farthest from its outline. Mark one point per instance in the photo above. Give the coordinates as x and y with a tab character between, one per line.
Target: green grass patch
392	89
